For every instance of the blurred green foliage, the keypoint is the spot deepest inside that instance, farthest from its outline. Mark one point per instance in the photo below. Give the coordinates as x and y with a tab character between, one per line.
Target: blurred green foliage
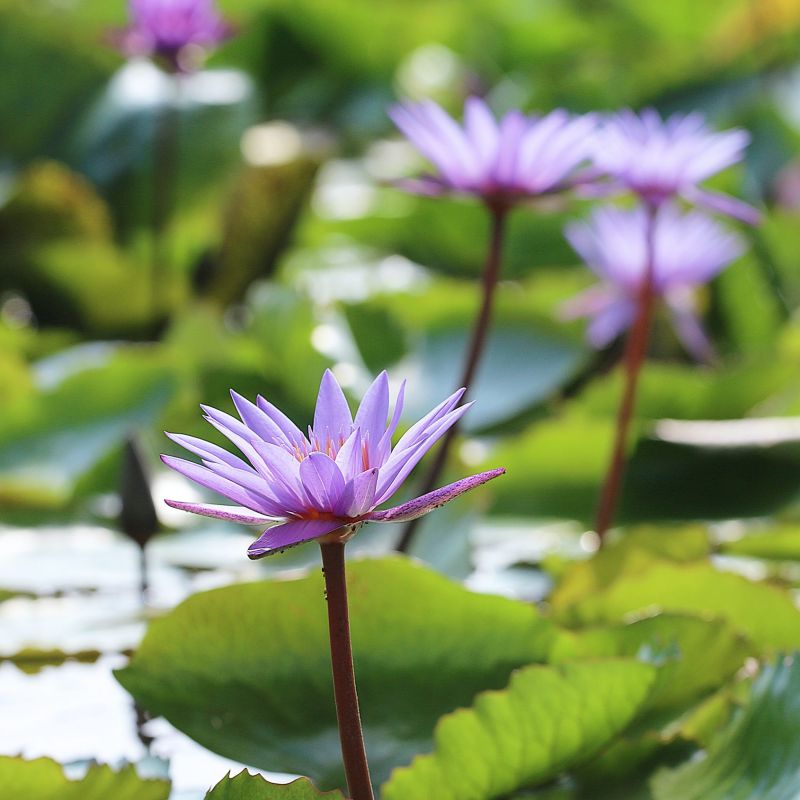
286	249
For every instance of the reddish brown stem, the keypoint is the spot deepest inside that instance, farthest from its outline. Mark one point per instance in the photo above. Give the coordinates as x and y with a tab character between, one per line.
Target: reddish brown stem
166	154
477	345
635	352
351	736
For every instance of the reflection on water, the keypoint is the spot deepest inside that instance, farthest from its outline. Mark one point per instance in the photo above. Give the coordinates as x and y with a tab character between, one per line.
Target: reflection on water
85	581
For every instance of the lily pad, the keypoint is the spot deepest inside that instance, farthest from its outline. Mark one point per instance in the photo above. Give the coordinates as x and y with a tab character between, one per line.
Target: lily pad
253	787
245	670
695	655
765	614
546	721
44	779
757	757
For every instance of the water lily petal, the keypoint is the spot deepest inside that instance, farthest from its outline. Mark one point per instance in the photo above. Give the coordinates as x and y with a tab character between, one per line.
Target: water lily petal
332	416
274	540
228	513
433	500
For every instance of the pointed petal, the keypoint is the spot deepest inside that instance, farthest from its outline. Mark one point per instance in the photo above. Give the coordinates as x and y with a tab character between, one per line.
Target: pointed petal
284	469
385	444
290	430
428	502
481	129
610	322
399	465
217	483
689	328
208	451
418	430
322	480
255	483
512	131
363	493
228	513
226	423
258	422
372	414
332	416
246	446
723	204
349	458
290	534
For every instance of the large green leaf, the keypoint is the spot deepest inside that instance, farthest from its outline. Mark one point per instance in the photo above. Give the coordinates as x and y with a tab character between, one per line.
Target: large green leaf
520	368
766	614
757	757
781	542
546	721
245	670
571	456
253	787
50	443
43	779
633	550
696	655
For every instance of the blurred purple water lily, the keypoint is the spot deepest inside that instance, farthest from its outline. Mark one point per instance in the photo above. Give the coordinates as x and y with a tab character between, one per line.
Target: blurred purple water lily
165	29
325	483
689	248
503	162
661	159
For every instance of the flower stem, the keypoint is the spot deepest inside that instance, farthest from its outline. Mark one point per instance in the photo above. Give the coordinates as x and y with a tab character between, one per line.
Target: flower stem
633	359
344	680
164	183
491	271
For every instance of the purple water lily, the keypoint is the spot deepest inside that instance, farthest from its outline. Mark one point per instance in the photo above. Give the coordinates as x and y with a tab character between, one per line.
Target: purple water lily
325	483
166	28
660	159
502	161
689	248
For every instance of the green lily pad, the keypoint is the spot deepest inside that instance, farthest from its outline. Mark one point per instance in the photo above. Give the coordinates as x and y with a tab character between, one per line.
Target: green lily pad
51	443
634	549
245	670
757	757
564	478
695	655
253	787
765	614
547	720
778	543
44	779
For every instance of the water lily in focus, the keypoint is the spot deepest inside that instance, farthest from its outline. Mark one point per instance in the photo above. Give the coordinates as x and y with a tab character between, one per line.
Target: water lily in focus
175	32
661	159
501	161
689	249
325	483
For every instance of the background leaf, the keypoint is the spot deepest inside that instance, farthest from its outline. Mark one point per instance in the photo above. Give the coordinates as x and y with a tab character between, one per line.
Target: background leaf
43	779
757	757
253	787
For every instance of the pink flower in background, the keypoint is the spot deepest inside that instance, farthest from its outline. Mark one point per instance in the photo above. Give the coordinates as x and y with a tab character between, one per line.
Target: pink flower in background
663	159
689	249
166	28
327	482
501	161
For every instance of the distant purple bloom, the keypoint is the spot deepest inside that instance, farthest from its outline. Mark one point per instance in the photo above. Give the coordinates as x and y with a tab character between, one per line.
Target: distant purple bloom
689	248
330	481
661	159
164	28
504	161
